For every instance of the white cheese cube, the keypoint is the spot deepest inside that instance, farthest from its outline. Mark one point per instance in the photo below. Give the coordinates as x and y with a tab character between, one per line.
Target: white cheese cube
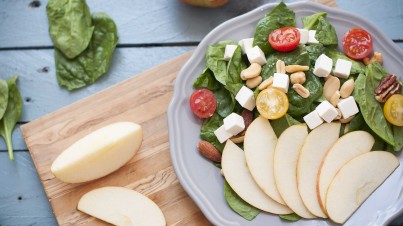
342	68
348	107
311	37
246	44
229	51
304	36
222	134
327	111
323	66
281	81
313	119
245	98
234	124
256	55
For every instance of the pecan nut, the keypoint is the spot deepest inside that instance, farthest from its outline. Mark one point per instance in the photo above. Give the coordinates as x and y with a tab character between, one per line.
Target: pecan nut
387	87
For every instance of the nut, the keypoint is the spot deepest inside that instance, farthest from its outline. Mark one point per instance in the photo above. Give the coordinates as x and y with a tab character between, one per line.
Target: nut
334	100
302	91
237	139
347	88
280	67
252	71
209	151
298	77
254	82
295	68
376	57
346	120
266	83
330	87
387	87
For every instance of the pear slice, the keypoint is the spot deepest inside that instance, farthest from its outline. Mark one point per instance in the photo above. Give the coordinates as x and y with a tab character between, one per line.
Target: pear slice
121	206
286	155
346	148
259	145
316	145
239	178
355	181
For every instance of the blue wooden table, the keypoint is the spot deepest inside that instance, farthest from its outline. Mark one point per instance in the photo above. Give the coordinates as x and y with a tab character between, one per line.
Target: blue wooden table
150	33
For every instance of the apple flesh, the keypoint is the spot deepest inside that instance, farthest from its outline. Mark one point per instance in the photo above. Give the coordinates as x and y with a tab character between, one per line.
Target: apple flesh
239	178
259	145
121	206
99	153
355	181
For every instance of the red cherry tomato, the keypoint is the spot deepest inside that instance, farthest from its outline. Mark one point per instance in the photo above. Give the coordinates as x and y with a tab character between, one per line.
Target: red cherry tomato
284	39
357	43
203	103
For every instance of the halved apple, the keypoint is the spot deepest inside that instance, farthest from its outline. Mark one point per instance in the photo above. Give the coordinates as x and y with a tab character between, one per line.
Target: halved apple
346	148
259	145
121	206
286	155
355	181
239	178
316	145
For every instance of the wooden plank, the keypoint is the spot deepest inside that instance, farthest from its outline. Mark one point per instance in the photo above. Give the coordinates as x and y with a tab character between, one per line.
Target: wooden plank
167	21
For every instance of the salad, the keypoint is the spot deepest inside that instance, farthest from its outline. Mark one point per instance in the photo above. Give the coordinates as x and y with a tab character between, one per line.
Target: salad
291	76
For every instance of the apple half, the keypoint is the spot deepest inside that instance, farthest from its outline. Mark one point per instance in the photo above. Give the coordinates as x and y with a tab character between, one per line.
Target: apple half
355	181
121	206
239	178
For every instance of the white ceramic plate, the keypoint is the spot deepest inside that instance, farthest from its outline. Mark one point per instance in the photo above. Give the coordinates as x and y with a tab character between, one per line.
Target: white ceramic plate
203	181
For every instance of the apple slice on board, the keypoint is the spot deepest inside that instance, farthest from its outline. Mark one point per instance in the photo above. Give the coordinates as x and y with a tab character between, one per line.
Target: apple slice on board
355	181
259	145
286	155
239	178
121	206
346	148
316	145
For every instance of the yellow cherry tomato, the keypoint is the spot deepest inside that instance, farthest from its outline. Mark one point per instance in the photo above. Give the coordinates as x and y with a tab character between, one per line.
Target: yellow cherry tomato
272	103
393	110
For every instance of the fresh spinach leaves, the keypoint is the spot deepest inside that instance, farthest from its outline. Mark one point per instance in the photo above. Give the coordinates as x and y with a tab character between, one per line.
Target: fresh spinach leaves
215	60
356	67
225	102
281	124
233	81
208	128
3	97
290	217
237	204
311	22
325	32
206	80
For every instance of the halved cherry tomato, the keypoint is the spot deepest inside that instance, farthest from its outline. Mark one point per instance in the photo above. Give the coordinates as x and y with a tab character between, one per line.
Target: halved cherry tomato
357	43
284	39
272	103
393	110
203	103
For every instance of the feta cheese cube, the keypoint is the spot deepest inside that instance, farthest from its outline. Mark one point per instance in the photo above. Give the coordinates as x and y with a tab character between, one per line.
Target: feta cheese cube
281	81
246	44
311	37
245	98
348	107
229	51
304	36
256	55
342	68
323	66
327	111
222	134
313	119
234	124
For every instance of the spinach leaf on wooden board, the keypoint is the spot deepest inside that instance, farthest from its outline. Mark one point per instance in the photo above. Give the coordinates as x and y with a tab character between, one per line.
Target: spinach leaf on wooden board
206	80
70	26
357	67
215	60
208	128
238	205
233	81
281	124
91	64
3	97
225	102
11	115
290	217
311	22
280	16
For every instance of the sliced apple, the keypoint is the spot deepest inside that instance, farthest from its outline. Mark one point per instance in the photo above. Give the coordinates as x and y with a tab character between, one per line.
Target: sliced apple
239	178
99	153
121	206
355	181
259	145
286	155
346	148
316	145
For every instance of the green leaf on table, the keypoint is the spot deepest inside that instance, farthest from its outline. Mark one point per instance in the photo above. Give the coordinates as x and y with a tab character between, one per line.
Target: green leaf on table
238	205
290	217
311	22
3	97
215	60
206	80
208	128
70	26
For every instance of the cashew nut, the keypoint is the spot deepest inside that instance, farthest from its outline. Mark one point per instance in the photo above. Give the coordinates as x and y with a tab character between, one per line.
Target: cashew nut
254	82
302	91
298	77
266	83
295	68
280	67
334	100
331	85
252	71
347	88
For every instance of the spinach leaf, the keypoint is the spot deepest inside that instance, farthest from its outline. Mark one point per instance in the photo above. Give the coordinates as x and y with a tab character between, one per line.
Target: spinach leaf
3	97
94	61
325	32
225	102
280	16
215	60
290	217
398	135
70	26
238	205
311	22
281	124
357	123
11	115
233	81
314	51
356	67
206	80
208	128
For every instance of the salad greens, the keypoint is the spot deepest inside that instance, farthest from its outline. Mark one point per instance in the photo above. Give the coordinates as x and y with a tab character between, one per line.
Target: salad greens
290	217
311	22
215	60
3	97
239	205
281	124
325	32
208	128
233	81
206	79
